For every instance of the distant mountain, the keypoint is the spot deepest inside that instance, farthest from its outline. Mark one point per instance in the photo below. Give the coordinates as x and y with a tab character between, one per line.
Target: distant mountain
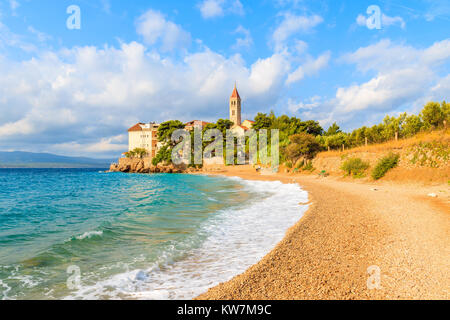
18	159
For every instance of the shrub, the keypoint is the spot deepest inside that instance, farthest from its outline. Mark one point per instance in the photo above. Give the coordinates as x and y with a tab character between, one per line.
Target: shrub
355	167
323	174
164	155
384	165
300	164
302	145
289	164
309	166
136	153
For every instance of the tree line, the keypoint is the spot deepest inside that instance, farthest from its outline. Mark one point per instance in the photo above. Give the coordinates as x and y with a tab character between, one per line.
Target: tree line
306	138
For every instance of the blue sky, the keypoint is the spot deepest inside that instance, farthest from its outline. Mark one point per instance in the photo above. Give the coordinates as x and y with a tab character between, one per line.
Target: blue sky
75	92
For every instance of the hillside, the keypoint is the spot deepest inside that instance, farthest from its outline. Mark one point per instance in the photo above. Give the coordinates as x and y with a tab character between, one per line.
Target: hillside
423	158
18	159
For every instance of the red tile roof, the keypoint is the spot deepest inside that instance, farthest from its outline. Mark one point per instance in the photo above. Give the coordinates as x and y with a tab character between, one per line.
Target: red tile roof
194	122
136	127
242	127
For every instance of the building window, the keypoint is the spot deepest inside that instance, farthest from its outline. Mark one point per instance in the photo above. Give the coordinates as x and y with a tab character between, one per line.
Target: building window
234	113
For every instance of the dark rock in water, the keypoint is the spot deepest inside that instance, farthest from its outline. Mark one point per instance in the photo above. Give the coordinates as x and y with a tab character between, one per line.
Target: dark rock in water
144	165
141	276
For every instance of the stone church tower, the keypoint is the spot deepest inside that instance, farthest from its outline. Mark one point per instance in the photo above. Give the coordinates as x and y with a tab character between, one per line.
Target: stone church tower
235	107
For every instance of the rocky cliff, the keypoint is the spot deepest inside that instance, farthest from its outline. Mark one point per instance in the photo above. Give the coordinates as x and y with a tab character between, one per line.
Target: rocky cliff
144	165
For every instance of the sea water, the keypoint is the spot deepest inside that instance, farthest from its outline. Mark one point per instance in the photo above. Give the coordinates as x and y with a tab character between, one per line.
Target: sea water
85	234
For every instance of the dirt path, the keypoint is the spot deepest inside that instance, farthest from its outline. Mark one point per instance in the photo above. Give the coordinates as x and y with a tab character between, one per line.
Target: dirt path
350	227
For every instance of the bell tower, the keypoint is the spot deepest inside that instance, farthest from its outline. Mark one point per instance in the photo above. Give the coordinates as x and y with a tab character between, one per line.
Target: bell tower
235	107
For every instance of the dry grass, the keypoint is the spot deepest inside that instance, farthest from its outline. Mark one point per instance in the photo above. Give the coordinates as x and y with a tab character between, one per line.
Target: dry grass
439	135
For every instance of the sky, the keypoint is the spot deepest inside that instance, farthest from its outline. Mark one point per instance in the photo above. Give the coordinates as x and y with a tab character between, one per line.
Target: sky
73	84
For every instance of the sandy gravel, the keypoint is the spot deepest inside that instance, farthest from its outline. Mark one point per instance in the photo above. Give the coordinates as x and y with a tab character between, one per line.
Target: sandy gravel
348	228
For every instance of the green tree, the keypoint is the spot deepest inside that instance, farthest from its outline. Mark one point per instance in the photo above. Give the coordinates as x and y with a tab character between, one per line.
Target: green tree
140	152
136	153
164	155
336	141
445	106
333	129
302	145
412	125
391	125
312	127
223	125
262	121
432	115
166	130
358	137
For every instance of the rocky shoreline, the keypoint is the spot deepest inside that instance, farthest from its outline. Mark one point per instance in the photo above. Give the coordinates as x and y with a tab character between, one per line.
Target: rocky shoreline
144	165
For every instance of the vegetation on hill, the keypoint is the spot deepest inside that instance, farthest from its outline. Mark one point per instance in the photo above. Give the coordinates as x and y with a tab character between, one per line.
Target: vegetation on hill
384	165
304	139
165	132
433	116
355	167
136	153
302	145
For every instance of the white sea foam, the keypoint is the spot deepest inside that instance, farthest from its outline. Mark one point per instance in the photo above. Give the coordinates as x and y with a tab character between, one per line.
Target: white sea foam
89	234
5	290
237	239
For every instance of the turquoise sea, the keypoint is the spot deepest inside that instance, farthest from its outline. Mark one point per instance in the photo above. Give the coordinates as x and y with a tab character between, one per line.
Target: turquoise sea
86	234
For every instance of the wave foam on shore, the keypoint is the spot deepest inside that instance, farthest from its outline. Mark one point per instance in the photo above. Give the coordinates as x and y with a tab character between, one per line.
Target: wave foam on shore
236	238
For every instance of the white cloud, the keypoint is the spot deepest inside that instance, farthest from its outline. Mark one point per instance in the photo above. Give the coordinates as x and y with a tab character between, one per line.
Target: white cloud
385	56
237	8
401	78
403	75
79	98
310	104
386	21
267	74
41	36
442	88
218	8
291	25
243	42
300	47
211	8
154	28
392	21
437	9
11	39
114	144
384	92
13	4
310	67
361	20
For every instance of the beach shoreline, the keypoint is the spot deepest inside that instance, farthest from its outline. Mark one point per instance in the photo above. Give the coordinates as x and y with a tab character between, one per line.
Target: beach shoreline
352	231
